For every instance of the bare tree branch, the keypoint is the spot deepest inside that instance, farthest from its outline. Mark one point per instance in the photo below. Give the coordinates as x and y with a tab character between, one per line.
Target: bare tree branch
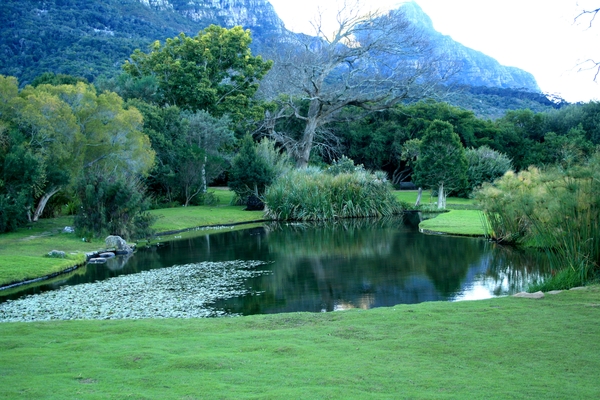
592	13
370	60
589	64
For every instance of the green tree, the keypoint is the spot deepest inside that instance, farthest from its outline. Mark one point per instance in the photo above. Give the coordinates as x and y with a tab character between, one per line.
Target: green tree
164	127
214	71
65	129
442	163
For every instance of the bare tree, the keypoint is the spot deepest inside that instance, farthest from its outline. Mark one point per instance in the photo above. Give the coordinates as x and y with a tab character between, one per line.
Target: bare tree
589	64
370	60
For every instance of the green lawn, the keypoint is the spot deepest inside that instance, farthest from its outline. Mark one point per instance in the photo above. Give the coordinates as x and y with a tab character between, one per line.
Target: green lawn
410	197
490	349
22	253
456	222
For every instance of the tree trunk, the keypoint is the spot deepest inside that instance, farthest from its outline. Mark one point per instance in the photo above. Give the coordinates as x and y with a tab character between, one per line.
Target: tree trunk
420	193
204	175
42	204
441	198
305	145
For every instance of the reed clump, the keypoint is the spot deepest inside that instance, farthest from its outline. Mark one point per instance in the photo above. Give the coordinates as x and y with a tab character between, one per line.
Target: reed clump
556	209
313	194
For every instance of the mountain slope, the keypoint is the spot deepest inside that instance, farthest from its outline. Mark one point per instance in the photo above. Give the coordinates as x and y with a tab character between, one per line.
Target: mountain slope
477	69
94	37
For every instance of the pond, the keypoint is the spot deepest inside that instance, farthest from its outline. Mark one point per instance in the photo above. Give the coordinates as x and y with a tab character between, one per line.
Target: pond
335	266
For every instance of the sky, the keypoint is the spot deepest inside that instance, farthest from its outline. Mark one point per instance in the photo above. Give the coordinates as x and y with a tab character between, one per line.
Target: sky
538	36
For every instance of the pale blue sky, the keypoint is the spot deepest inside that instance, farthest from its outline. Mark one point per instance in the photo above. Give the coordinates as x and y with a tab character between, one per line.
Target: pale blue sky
539	36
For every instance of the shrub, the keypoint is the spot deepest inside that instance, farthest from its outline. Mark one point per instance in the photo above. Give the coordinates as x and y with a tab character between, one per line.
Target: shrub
111	205
313	195
484	165
255	167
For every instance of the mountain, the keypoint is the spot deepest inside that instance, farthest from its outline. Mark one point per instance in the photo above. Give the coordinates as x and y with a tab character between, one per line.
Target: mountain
93	37
476	68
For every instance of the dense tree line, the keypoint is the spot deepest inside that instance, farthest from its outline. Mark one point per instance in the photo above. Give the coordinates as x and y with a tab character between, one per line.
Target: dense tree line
170	124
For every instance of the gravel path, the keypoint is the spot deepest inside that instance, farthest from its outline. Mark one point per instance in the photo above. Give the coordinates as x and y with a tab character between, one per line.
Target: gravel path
182	291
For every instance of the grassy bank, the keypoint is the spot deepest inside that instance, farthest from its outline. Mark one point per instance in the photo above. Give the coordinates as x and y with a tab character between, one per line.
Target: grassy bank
22	253
463	217
499	348
456	222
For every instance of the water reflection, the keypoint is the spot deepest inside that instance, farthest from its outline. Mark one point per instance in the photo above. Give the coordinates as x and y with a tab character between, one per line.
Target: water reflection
348	264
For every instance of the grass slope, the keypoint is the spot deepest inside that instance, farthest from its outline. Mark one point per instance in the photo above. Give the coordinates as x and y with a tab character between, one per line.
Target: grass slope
492	349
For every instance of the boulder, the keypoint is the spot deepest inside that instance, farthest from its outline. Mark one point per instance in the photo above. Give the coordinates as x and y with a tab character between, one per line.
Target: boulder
117	243
97	260
57	254
106	254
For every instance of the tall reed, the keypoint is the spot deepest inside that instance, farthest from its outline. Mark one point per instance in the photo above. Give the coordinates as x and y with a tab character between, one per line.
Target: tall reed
557	210
311	194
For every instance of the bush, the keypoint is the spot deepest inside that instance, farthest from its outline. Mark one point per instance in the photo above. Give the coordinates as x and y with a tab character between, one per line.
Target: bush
112	206
255	167
484	165
313	195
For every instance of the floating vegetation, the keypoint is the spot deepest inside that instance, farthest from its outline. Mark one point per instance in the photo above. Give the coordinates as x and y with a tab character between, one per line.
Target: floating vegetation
181	291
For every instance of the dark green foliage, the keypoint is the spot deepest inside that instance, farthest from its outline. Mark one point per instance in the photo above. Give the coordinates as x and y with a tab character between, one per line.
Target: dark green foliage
164	126
80	38
250	172
12	212
377	141
112	205
50	78
143	89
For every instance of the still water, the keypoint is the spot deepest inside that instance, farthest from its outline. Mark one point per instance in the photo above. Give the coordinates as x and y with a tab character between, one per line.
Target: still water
328	267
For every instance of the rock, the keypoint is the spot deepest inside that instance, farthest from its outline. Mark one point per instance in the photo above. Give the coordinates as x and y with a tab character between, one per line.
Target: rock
525	295
118	243
57	254
578	288
68	229
97	260
107	254
554	291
